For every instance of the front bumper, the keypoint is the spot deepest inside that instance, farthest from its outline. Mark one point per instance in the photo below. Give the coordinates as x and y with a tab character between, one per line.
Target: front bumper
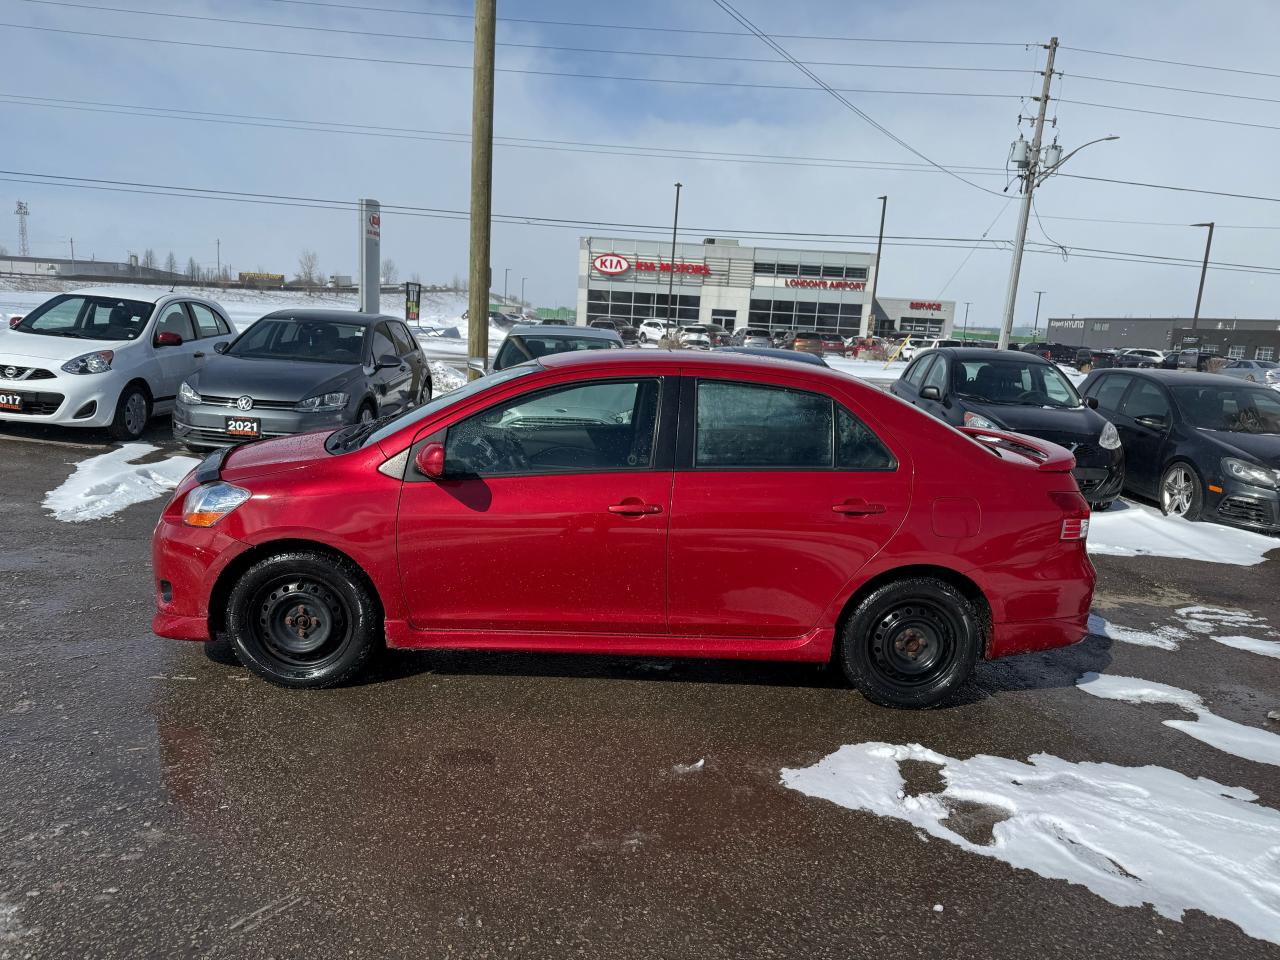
1099	473
205	425
186	562
80	400
1244	505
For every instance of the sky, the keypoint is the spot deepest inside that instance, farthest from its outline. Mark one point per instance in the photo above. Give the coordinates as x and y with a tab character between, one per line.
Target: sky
731	100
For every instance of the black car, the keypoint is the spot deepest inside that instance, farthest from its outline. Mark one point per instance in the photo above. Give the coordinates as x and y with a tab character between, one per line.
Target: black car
531	341
776	354
628	333
1022	393
1204	446
1094	359
1141	357
1057	352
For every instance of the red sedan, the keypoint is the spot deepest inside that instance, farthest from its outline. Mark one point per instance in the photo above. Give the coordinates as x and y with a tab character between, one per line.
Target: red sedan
667	504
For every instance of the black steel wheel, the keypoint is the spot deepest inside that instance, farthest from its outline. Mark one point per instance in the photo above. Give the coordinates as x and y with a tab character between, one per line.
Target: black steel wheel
911	643
303	619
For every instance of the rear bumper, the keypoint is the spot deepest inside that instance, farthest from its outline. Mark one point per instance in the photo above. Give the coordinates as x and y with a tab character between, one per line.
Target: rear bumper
1029	636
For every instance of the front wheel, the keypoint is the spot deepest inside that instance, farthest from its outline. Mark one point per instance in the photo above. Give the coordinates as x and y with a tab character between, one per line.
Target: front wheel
1181	493
303	619
133	410
911	643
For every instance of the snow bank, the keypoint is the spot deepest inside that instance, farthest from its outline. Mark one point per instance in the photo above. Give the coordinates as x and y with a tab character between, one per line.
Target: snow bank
1133	529
444	378
103	485
1237	739
1166	638
1132	835
871	370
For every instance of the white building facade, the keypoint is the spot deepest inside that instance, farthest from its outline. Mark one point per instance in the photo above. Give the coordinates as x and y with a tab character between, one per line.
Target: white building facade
723	282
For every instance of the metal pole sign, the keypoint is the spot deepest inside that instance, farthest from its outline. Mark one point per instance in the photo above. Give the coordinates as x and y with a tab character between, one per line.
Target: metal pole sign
412	302
370	279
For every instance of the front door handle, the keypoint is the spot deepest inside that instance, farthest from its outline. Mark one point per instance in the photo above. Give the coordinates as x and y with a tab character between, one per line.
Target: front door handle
198	356
634	507
857	508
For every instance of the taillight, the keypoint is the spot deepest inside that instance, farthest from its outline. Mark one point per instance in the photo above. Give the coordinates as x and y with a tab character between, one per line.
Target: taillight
1075	509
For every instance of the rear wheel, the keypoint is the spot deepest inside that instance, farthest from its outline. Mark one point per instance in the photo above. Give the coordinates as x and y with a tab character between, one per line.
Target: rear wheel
303	620
911	643
133	410
1181	493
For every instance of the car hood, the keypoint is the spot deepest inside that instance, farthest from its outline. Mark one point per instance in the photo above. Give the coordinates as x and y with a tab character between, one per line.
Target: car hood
35	346
280	380
1263	447
1050	423
262	457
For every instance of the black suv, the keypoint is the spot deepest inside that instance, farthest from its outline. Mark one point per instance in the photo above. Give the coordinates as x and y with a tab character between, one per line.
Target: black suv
1057	352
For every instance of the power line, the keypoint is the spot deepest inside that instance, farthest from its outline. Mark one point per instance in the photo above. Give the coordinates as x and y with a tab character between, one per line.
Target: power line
1174	63
1166	186
1159	223
774	45
1146	86
1179	116
526	46
467	66
646	27
442	136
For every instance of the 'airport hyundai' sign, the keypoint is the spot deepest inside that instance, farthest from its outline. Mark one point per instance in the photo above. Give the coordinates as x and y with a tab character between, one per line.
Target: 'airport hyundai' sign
610	264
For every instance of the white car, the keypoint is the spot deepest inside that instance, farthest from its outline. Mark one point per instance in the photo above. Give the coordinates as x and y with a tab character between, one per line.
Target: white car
695	338
654	330
105	357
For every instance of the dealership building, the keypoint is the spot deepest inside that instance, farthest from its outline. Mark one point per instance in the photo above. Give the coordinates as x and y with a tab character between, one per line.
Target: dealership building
1236	338
723	282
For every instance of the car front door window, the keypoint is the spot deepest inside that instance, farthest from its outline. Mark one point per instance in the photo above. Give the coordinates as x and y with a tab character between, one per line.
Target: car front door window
175	320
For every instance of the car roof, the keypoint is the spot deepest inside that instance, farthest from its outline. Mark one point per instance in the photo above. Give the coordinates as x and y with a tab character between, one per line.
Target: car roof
712	362
1181	377
587	333
327	316
131	293
987	353
775	353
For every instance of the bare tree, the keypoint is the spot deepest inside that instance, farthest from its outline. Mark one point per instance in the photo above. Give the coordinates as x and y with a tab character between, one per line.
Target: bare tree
193	268
389	272
308	266
171	263
149	259
415	277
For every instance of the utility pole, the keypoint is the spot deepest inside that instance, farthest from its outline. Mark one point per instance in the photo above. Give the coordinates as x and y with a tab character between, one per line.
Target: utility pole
1029	185
72	241
1036	326
522	280
1204	267
506	275
481	188
864	328
965	335
22	211
671	277
219	243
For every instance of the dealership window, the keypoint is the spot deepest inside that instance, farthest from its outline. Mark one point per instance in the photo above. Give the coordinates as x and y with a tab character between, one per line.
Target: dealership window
925	325
1208	348
1236	352
635	307
1264	353
726	318
765	269
788	269
810	270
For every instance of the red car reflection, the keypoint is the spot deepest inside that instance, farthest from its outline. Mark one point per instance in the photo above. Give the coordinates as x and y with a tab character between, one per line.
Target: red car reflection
655	503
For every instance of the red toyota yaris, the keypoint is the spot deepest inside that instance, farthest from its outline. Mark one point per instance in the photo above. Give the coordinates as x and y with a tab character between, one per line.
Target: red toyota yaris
659	503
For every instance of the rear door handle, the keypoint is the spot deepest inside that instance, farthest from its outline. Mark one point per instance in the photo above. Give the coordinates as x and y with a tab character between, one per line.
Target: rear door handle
634	508
857	508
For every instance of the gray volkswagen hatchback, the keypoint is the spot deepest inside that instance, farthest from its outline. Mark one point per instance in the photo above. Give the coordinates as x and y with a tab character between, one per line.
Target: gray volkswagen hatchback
295	371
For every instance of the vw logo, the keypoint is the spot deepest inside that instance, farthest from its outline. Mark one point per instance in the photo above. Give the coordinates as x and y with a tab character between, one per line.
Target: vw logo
244	403
10	372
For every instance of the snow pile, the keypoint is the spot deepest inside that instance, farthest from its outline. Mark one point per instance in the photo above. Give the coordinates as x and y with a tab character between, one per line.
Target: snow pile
103	485
1132	835
871	370
1132	529
444	378
1166	638
1237	739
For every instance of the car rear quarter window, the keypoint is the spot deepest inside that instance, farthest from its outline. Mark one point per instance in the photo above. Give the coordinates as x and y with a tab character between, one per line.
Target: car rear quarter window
1108	390
857	448
748	425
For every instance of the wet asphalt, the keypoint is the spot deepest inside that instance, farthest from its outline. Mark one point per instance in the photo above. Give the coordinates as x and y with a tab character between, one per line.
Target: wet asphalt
157	801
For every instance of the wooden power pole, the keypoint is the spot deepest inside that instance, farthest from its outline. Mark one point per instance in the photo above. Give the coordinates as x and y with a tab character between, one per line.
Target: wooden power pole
481	188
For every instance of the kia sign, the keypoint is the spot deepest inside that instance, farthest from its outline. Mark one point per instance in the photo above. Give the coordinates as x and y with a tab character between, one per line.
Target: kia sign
611	264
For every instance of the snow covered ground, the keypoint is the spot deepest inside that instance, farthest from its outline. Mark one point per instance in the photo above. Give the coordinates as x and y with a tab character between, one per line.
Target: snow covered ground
1131	529
104	485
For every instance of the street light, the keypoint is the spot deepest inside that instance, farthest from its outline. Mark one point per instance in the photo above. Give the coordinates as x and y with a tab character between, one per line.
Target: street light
1204	267
522	301
965	335
671	277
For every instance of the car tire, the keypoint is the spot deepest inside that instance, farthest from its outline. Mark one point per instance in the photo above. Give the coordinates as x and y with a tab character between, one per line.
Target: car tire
133	410
911	643
1181	492
644	337
303	620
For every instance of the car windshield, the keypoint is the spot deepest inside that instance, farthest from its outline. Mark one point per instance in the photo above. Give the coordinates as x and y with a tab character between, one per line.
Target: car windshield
88	318
522	347
287	338
1238	409
1015	381
375	431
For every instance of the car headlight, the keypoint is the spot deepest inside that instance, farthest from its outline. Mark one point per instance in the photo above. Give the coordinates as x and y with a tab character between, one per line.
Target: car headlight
1249	473
187	394
326	401
97	362
980	422
1110	438
207	504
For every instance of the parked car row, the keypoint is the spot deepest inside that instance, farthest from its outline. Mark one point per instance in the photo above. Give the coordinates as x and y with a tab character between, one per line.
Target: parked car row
113	358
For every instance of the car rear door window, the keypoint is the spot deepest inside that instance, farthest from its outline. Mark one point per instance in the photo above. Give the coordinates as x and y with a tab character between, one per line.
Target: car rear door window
1108	391
175	320
595	427
207	324
749	425
1146	399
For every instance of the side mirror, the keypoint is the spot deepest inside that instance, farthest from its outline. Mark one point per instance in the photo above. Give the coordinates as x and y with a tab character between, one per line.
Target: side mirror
14	321
931	393
430	460
1153	423
221	347
167	338
1091	403
386	361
